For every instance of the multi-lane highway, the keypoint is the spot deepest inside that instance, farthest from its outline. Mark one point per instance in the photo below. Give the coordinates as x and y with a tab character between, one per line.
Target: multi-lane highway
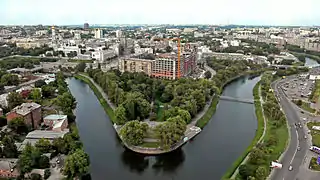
292	156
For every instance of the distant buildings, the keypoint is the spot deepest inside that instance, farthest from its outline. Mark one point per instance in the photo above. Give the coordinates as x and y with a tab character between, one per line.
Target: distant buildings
86	26
98	34
30	112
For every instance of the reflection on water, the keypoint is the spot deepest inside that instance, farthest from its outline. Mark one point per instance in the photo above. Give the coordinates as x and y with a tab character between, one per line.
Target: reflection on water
167	163
170	162
136	162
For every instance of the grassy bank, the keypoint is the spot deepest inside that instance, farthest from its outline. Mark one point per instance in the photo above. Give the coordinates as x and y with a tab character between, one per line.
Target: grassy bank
314	133
102	101
304	105
259	132
313	164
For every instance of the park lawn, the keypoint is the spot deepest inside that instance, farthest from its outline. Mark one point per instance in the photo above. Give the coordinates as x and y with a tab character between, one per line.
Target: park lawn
282	135
316	92
160	110
313	164
314	133
150	144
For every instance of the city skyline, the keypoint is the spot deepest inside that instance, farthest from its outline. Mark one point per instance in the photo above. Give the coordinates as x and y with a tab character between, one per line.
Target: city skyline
246	12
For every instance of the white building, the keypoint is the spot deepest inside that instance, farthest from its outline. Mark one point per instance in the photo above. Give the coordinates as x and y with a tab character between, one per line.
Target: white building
118	33
98	34
3	100
103	56
234	43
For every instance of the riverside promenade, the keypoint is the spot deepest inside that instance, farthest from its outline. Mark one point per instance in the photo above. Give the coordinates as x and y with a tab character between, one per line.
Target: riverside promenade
190	132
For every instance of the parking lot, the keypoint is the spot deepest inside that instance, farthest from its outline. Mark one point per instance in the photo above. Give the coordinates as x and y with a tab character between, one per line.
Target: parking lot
298	88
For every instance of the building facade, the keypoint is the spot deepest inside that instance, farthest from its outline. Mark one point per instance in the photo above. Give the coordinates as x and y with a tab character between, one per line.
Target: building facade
136	65
30	112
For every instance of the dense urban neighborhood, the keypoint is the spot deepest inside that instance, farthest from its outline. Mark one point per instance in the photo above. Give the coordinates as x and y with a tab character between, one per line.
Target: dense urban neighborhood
160	86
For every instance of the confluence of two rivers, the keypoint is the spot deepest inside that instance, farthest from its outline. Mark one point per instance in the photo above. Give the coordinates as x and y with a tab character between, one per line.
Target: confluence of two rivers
207	157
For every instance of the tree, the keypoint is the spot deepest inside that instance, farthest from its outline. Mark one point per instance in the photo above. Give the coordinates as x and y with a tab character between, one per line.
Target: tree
36	95
10	80
76	164
43	145
207	75
246	170
18	125
171	131
9	148
81	67
35	176
47	173
261	173
120	113
14	99
44	162
66	102
59	145
47	91
40	83
133	132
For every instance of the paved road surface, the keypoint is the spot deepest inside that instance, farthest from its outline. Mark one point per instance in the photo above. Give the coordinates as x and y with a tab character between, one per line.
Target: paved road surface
291	156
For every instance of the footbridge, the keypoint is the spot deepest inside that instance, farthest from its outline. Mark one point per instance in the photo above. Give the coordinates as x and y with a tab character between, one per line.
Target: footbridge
235	99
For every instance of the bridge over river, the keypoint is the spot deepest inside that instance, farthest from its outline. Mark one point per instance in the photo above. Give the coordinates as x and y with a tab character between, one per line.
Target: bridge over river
235	99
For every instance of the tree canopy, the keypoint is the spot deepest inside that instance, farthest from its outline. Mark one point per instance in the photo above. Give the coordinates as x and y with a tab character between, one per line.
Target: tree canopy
76	164
133	132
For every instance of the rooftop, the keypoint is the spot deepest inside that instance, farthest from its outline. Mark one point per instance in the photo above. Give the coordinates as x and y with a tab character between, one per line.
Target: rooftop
26	108
39	134
55	117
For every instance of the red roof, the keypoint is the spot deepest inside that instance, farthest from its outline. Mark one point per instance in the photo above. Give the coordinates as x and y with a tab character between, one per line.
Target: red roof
12	115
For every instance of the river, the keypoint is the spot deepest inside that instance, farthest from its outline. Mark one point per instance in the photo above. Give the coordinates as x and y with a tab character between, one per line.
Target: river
207	157
310	62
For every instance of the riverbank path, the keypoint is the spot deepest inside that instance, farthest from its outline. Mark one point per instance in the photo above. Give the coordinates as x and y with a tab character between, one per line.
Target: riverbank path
104	95
260	139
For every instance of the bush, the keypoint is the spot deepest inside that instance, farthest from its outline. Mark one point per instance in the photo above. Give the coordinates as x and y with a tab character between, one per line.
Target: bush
35	176
47	173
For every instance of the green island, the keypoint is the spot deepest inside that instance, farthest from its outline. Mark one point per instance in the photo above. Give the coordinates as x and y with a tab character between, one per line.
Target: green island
139	101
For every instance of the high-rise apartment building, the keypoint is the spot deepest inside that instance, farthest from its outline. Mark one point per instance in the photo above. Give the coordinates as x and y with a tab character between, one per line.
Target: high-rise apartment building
86	26
98	34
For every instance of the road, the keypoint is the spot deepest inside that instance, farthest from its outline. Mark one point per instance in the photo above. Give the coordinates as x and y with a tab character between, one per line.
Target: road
291	156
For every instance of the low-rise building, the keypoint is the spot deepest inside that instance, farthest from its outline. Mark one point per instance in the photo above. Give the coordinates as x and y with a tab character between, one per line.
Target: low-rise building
56	122
34	136
30	112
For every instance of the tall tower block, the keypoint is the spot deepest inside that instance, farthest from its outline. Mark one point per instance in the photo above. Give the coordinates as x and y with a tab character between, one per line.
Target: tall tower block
53	33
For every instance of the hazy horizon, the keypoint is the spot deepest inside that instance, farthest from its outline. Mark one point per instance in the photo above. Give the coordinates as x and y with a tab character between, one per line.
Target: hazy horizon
179	12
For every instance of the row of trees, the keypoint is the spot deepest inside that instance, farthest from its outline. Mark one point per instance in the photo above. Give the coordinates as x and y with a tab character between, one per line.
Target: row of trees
258	165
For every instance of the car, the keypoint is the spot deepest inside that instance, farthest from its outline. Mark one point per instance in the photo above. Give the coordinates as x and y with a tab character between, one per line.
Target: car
305	137
298	148
290	168
302	112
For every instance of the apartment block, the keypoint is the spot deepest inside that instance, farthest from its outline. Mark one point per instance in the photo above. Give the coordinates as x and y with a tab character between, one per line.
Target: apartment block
30	112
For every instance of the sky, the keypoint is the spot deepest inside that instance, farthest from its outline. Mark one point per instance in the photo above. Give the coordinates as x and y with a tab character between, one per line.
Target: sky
77	12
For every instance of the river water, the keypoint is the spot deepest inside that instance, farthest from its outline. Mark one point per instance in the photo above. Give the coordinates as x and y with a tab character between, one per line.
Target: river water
310	62
207	157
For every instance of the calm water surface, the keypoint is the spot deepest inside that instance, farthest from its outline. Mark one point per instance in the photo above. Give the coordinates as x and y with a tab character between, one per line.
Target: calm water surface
206	157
